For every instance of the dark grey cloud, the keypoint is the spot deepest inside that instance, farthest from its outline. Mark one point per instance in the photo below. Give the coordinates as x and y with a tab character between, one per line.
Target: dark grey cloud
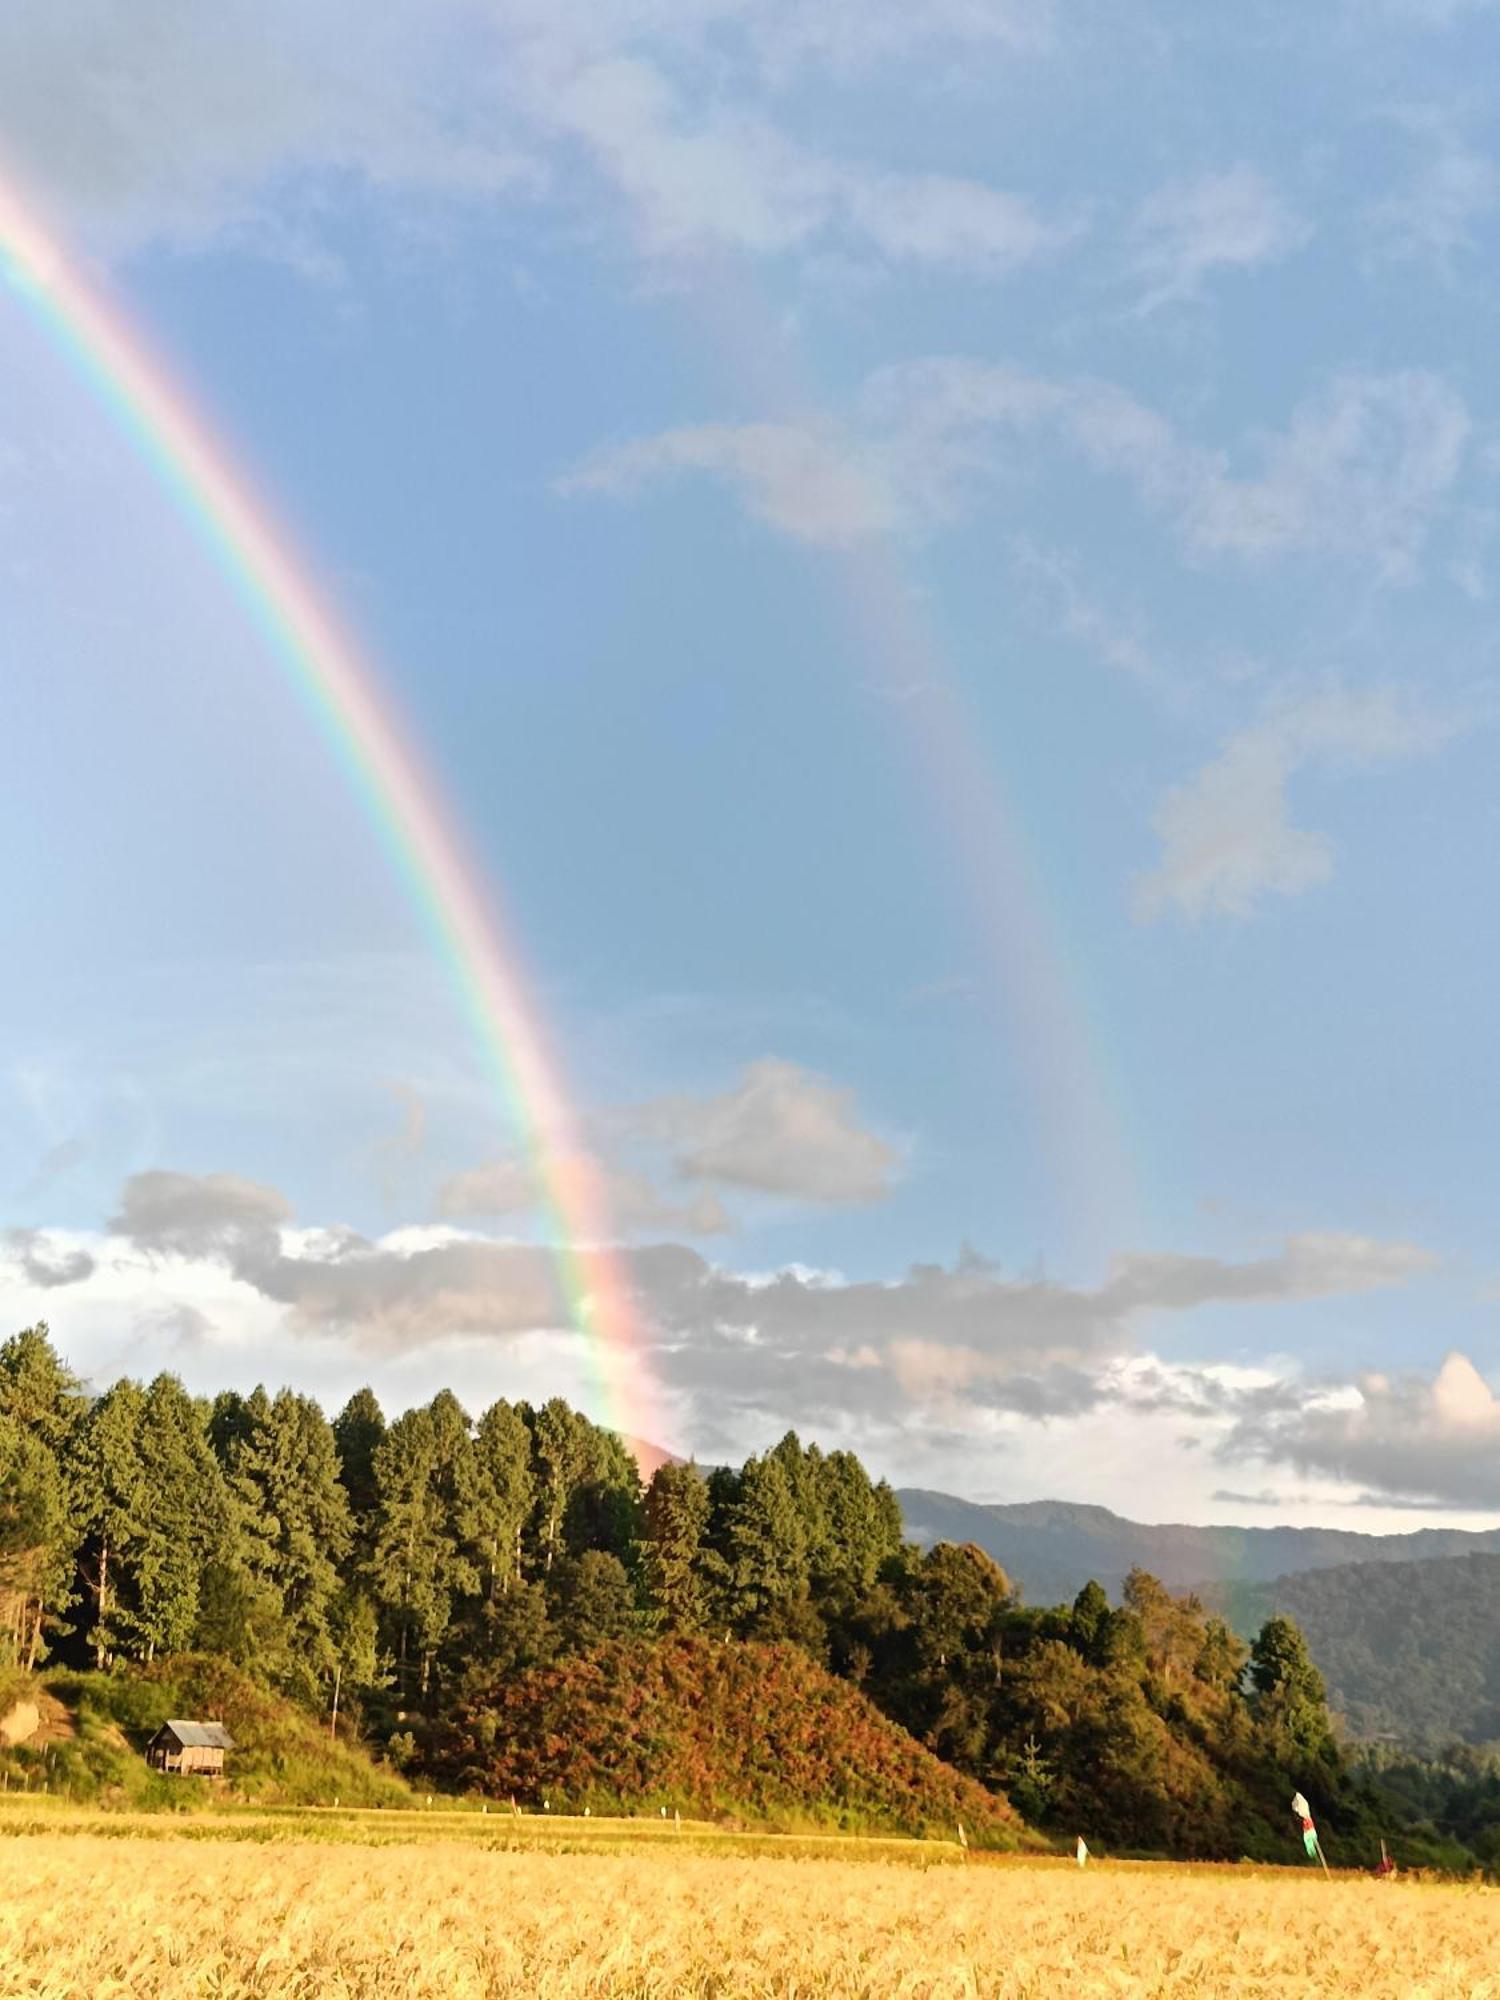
336	1280
202	1215
402	1299
1432	1442
42	1263
1315	1264
975	1336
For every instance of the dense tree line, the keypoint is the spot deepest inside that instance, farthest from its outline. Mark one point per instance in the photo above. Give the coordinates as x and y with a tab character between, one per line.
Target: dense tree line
405	1567
1411	1650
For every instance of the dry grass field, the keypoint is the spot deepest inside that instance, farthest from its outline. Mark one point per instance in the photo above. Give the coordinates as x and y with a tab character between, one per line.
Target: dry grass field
111	1917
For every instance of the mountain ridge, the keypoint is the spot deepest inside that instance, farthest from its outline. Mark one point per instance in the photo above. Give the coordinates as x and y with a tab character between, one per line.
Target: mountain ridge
1051	1548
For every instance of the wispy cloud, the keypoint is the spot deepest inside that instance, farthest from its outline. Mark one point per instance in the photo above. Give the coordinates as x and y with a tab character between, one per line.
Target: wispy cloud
720	177
146	122
1234	220
1453	188
139	125
1228	840
806	483
1360	471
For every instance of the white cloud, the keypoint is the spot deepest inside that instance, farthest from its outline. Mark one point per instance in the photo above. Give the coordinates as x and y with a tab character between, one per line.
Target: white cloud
1227	837
783	1130
1229	221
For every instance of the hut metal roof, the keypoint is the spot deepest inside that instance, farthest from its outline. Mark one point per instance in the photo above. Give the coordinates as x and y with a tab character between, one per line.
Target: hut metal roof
201	1735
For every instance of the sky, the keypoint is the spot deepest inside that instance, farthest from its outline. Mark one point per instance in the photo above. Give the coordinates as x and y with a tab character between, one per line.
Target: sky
943	559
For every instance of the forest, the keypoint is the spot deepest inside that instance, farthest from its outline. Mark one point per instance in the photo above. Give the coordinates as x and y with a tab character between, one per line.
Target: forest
449	1586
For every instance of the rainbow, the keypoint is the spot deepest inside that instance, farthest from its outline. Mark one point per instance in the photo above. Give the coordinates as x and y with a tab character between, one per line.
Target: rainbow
342	691
1081	1133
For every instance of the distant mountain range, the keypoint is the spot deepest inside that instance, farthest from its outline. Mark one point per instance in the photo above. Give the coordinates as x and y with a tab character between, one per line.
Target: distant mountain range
1405	1628
1053	1547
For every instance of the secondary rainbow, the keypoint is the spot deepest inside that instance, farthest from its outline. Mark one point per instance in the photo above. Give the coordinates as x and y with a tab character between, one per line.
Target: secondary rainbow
342	690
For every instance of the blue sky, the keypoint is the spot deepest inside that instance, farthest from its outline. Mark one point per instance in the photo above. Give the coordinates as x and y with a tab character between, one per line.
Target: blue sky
945	559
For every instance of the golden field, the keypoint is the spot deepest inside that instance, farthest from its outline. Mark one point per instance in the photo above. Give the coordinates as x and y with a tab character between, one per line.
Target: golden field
88	1913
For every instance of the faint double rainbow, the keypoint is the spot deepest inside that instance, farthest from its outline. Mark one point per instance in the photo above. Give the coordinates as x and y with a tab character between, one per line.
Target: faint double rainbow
1075	1131
341	689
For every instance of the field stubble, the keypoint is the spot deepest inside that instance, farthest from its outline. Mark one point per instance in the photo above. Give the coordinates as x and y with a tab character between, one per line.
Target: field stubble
175	1917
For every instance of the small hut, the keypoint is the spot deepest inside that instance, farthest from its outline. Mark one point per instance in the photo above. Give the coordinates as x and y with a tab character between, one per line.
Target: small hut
190	1749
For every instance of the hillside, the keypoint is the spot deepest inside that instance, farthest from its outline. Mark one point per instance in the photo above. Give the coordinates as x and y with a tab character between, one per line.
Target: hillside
756	1732
103	1722
1052	1548
1409	1650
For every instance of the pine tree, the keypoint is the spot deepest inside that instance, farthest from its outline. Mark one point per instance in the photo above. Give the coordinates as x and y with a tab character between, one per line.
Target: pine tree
184	1520
679	1565
110	1479
357	1433
503	1495
423	1565
295	1466
768	1541
37	1536
1289	1698
39	1392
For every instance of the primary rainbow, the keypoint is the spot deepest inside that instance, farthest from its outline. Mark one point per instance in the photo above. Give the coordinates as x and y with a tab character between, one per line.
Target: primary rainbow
343	692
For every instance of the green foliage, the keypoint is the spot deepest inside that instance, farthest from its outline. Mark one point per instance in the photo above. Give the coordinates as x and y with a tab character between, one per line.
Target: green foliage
1410	1651
283	1756
41	1408
683	1573
357	1433
1289	1699
595	1599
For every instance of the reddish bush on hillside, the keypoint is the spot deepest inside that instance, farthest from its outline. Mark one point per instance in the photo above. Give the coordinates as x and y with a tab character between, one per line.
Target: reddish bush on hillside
724	1730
